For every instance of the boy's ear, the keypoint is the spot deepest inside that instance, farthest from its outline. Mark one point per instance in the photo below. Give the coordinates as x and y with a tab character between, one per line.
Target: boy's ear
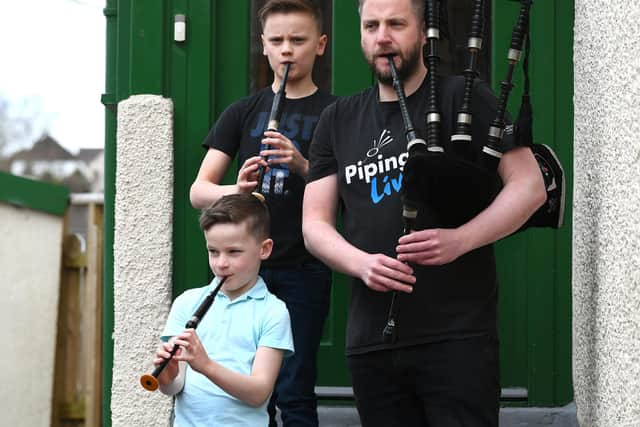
266	248
264	51
322	44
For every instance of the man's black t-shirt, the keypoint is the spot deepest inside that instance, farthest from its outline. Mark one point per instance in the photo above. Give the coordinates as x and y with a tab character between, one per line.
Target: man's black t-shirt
240	130
362	141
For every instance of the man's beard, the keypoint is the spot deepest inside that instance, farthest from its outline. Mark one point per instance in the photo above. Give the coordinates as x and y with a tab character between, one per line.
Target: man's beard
407	67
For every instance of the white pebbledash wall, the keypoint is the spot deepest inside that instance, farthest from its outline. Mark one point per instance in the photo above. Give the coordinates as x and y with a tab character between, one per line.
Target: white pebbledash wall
142	255
30	254
606	213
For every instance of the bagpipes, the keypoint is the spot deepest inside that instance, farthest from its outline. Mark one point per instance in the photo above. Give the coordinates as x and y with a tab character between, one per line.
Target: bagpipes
459	183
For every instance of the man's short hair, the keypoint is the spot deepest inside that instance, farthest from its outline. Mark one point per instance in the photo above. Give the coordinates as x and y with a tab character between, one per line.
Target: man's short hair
289	6
238	209
418	7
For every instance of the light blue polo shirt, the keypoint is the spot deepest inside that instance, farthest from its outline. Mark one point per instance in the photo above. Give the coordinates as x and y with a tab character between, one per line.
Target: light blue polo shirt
231	332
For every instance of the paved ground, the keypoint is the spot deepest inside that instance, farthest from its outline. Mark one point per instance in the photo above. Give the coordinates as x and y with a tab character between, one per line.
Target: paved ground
332	416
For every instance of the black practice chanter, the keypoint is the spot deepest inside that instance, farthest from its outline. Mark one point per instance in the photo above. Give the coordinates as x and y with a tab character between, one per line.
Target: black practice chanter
150	381
272	125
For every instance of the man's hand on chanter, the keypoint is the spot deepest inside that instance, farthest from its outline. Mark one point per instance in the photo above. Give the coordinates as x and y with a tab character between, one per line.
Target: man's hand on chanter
383	274
435	246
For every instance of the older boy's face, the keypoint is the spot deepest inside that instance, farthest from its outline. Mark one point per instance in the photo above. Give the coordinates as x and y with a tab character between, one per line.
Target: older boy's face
292	37
235	253
391	27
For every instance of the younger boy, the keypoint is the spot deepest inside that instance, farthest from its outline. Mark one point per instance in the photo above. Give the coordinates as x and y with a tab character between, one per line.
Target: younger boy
224	372
291	33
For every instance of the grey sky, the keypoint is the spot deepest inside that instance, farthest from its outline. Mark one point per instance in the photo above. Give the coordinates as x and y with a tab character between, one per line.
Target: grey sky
54	51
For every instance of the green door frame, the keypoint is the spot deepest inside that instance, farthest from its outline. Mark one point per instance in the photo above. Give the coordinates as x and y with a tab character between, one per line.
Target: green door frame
535	266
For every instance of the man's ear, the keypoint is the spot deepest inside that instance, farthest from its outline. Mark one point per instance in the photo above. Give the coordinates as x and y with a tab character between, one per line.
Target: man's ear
264	50
266	248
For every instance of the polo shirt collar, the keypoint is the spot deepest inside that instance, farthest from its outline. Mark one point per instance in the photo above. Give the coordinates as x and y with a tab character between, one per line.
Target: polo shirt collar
258	291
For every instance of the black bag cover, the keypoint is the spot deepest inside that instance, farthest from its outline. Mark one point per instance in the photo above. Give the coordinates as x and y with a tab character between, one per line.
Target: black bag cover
551	213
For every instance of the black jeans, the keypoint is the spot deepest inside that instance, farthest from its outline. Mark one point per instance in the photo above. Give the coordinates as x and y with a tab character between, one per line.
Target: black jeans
306	290
452	383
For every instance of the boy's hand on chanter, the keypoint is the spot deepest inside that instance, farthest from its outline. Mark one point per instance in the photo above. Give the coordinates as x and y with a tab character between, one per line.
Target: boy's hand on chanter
192	351
164	352
284	152
248	174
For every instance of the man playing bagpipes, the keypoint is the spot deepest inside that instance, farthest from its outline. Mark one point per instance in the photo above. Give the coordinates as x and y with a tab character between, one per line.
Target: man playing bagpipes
437	365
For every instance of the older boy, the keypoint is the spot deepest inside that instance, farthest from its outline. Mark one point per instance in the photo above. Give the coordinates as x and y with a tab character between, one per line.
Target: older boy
292	33
224	373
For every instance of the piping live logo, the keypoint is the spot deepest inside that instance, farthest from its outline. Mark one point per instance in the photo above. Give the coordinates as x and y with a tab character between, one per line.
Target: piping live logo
378	171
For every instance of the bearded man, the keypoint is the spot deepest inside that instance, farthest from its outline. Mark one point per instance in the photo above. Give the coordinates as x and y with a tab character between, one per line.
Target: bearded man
442	370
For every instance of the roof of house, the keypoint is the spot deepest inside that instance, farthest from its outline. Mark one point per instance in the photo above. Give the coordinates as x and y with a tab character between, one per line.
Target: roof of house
5	164
46	148
88	154
77	182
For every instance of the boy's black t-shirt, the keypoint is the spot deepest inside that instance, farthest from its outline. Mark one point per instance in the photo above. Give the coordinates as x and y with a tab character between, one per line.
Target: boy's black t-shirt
240	130
362	141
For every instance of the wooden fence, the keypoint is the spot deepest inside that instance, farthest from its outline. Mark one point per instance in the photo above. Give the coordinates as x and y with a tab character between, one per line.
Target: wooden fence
77	386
